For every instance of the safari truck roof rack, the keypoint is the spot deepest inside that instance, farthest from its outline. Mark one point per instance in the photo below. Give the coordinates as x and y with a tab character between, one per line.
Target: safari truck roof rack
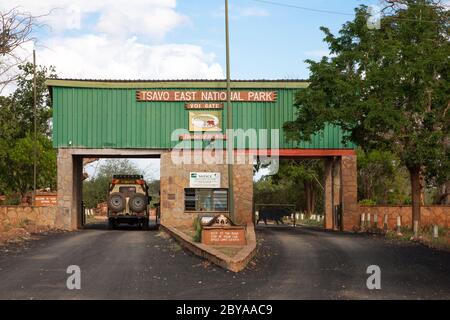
128	176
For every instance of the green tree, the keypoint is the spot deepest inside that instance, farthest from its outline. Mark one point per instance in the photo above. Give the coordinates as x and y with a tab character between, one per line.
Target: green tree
296	182
388	88
17	134
303	175
381	178
21	165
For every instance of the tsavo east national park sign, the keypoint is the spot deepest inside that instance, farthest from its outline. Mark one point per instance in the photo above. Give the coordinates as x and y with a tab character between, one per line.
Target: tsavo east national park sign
205	95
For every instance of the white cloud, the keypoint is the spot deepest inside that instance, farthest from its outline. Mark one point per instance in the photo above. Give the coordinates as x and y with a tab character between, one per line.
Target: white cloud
114	40
152	18
97	56
253	12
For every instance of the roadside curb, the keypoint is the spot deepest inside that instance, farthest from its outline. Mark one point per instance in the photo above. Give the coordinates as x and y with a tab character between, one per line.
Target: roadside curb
236	264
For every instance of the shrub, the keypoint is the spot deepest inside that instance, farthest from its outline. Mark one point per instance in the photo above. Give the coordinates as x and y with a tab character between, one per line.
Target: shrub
367	202
198	230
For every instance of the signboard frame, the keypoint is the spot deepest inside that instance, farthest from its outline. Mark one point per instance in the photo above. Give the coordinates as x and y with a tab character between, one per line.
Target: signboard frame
198	119
205	180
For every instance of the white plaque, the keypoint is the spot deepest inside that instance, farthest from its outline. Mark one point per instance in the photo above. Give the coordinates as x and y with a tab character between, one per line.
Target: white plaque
204	180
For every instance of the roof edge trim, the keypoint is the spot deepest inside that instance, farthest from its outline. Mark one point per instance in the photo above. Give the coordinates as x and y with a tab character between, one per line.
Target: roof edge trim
275	84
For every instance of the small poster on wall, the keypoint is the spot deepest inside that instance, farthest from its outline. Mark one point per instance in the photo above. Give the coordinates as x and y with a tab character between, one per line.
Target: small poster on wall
204	180
210	121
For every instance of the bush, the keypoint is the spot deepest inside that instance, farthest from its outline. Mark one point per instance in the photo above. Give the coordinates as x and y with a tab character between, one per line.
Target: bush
198	230
13	201
368	202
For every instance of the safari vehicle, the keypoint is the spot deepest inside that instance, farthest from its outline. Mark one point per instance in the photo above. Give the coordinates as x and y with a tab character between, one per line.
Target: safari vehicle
128	201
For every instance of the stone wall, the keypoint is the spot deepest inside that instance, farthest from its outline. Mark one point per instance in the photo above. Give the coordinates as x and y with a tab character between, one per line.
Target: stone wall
430	215
28	217
175	178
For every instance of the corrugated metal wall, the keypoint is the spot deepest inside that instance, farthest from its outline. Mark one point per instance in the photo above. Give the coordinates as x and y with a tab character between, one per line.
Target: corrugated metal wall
112	118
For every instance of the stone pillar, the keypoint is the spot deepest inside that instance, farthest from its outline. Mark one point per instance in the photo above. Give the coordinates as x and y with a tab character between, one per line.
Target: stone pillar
349	192
243	192
328	193
175	178
76	222
333	191
69	171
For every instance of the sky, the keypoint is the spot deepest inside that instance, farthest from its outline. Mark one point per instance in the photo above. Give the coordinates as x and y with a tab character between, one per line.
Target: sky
181	39
177	39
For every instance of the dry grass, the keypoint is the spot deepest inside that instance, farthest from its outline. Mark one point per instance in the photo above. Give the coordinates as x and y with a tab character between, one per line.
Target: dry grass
425	237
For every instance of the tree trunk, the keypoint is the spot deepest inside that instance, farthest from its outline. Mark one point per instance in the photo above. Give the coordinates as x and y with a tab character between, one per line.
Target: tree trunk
313	201
307	197
416	192
444	194
422	188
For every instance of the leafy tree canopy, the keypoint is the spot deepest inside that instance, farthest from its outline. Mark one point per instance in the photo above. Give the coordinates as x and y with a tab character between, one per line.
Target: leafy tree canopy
17	134
388	88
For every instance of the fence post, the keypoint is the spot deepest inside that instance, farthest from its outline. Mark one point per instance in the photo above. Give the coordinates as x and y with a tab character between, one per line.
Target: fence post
416	228
399	223
435	231
368	220
375	220
363	219
385	223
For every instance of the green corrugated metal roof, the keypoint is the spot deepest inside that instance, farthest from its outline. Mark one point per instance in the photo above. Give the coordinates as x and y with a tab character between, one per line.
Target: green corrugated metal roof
105	114
117	84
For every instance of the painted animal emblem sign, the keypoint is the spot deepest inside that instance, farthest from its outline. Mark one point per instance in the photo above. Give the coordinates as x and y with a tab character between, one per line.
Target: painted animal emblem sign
209	121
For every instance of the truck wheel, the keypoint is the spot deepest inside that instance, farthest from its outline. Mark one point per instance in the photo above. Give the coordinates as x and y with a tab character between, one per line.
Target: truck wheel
116	202
138	202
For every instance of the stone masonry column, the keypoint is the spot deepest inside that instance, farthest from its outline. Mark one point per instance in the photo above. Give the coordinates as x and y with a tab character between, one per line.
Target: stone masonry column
349	192
333	190
175	178
66	217
337	188
328	194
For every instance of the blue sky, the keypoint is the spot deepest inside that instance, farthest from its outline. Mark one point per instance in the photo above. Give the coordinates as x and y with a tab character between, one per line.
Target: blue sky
180	39
272	43
173	39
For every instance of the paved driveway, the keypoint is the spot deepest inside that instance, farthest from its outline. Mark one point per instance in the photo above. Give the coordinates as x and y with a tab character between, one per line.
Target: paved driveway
291	264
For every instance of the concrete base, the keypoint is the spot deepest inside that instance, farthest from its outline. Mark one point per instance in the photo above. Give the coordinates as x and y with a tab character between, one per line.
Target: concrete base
235	264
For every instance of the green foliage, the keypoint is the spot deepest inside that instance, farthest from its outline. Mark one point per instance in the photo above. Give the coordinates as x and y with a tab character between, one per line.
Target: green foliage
198	230
95	190
297	183
367	202
17	134
387	88
154	190
382	178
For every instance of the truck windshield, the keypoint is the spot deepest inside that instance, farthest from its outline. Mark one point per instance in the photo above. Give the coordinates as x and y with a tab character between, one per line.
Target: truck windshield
127	190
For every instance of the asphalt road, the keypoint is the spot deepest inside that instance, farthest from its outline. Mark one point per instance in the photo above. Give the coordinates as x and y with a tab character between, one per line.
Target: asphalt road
291	264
